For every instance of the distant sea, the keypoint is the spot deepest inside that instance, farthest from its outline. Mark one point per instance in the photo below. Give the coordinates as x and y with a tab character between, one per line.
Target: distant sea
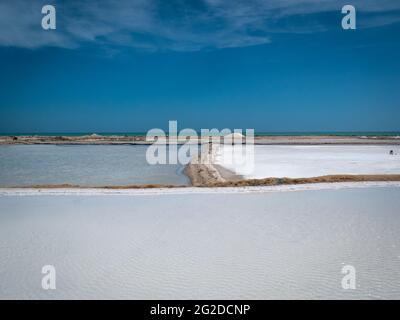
258	133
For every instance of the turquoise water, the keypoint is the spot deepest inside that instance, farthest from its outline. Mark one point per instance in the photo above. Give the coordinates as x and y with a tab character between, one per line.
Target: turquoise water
332	133
259	133
87	165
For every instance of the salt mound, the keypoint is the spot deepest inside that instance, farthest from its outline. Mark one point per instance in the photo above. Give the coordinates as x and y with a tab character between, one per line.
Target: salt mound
235	137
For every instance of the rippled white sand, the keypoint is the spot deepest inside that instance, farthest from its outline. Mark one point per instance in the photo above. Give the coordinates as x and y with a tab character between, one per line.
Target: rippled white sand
256	245
311	161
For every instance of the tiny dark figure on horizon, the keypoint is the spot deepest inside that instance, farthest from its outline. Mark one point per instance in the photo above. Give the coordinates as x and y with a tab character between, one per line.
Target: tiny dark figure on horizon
391	152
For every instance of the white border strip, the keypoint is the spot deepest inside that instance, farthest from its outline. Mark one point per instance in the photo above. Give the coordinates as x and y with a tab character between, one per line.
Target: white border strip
189	190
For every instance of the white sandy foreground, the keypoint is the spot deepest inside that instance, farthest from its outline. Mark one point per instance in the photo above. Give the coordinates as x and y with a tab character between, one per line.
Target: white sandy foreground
192	190
203	244
312	161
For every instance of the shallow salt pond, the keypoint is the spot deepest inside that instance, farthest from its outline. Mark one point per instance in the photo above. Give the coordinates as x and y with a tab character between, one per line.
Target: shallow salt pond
84	165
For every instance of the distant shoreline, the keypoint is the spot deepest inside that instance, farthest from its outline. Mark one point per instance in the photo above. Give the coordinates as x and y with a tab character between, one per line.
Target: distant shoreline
257	133
95	139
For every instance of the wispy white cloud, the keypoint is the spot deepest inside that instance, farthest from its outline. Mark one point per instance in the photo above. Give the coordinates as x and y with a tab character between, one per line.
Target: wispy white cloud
175	24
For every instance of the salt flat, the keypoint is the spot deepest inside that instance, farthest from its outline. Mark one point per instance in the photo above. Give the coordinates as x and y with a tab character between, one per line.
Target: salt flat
252	245
311	161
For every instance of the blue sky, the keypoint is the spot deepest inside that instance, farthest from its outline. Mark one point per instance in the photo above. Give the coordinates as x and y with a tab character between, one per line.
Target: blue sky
133	65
